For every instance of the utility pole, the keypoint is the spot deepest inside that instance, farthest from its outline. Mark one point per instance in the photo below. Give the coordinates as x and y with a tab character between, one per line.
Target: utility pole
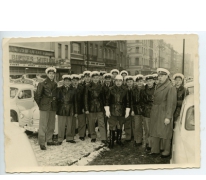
183	56
87	55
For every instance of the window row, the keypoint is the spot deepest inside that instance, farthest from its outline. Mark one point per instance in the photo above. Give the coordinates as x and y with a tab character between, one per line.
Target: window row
139	61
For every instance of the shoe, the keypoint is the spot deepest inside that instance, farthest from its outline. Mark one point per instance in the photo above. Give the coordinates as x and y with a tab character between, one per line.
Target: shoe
71	141
51	143
165	156
154	154
42	147
58	143
81	138
93	140
104	142
89	135
119	137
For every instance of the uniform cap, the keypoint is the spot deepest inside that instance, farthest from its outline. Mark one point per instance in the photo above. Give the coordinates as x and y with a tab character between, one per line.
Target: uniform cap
50	69
66	77
94	73
75	76
114	71
138	77
149	76
178	75
128	78
107	75
119	77
86	73
123	72
163	71
155	76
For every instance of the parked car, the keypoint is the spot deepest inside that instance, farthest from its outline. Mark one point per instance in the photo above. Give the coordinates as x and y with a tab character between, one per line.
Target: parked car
30	120
183	144
29	79
189	88
21	98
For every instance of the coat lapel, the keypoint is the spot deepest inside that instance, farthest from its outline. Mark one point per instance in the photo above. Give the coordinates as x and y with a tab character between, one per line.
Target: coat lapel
162	86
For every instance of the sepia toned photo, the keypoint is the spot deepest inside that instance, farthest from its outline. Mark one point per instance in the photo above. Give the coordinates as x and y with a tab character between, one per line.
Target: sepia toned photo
101	103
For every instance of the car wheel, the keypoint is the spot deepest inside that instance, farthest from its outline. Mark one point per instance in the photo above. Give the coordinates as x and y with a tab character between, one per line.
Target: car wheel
13	117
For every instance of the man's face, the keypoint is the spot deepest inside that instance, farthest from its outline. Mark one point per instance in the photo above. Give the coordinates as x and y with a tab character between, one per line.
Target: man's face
95	79
140	83
178	81
67	82
150	82
162	78
123	75
108	80
118	82
87	79
130	83
156	81
51	75
75	82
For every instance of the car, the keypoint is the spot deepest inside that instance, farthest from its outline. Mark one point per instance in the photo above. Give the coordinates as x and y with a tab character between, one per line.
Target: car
30	120
29	79
189	88
183	143
21	98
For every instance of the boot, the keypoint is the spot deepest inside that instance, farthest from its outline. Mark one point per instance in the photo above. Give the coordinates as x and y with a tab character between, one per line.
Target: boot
112	139
119	137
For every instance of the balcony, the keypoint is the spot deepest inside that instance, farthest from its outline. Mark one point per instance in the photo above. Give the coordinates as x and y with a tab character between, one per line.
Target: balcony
112	44
110	61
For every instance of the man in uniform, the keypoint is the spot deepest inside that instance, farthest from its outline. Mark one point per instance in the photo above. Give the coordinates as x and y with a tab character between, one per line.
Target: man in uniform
101	79
114	72
156	81
118	103
66	109
128	121
181	91
79	91
136	110
93	106
147	98
161	118
46	101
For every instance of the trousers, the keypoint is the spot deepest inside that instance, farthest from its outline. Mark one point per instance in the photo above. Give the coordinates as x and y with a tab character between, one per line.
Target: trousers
99	116
81	125
116	121
65	122
156	144
137	128
146	124
46	126
128	127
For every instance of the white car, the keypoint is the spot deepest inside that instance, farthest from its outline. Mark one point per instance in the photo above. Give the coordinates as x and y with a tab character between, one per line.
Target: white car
21	98
30	120
183	144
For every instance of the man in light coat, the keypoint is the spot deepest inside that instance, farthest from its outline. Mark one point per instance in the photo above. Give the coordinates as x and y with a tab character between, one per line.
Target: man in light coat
161	123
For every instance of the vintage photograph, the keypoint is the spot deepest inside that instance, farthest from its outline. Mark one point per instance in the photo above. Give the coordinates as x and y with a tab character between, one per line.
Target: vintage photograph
101	103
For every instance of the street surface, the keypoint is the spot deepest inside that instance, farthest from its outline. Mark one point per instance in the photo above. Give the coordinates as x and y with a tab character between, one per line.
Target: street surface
87	153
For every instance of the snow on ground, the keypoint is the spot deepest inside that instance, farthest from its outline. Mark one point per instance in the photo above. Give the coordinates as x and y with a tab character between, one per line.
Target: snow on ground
68	154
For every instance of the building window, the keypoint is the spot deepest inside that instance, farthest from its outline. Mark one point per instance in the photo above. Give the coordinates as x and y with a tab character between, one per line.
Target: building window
112	54
137	49
59	50
85	48
66	51
90	49
109	54
95	50
100	52
136	61
76	48
137	41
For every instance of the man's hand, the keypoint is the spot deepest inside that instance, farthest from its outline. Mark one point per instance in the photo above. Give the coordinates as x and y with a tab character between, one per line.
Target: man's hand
107	111
167	121
87	112
132	113
127	112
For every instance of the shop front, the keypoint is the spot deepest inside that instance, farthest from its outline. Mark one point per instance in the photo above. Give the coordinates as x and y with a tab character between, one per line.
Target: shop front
94	66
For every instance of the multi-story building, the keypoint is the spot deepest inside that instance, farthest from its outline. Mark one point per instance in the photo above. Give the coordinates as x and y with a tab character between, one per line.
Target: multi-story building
142	56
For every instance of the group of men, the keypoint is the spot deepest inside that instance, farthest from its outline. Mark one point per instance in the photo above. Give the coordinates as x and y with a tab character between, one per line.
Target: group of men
133	103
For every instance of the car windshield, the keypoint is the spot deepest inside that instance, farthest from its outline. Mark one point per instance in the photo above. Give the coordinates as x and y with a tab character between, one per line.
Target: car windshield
31	76
190	120
13	92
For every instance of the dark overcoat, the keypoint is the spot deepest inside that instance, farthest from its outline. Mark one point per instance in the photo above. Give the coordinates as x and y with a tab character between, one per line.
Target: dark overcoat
165	101
45	95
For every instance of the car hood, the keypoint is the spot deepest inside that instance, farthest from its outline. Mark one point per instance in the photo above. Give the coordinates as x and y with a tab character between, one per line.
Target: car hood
35	113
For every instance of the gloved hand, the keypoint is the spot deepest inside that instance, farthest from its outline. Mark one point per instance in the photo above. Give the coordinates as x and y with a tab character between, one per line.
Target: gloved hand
107	111
167	121
127	112
132	113
87	112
